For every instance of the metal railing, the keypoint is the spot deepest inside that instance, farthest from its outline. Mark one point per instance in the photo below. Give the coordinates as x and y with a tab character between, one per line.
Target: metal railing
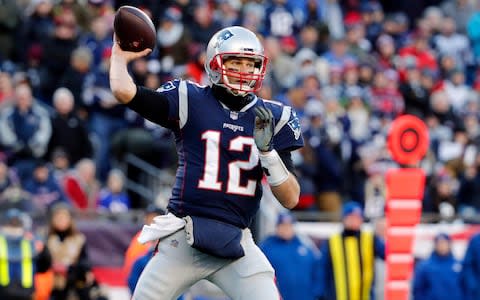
154	184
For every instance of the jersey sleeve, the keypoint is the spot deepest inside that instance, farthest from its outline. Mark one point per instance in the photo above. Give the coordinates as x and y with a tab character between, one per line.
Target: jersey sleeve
287	133
161	106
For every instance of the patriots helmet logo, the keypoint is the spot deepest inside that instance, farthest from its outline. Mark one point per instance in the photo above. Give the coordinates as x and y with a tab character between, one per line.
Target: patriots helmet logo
294	125
223	36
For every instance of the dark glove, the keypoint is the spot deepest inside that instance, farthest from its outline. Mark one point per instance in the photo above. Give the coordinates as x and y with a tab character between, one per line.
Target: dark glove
263	132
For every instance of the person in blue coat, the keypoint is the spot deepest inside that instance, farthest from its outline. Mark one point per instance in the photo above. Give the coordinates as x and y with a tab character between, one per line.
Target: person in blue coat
292	258
438	277
470	276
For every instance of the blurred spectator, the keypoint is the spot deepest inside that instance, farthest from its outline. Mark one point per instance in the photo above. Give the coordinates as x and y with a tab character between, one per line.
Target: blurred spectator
65	125
195	69
473	31
227	12
448	41
71	264
81	186
351	252
25	130
60	164
327	170
44	189
416	96
385	47
22	257
204	24
98	39
372	16
338	54
302	259
75	77
138	266
375	192
442	195
280	64
419	52
470	275
386	100
460	11
57	50
359	46
333	16
174	40
456	89
137	270
7	92
10	20
81	11
113	197
106	117
136	250
38	26
438	277
280	20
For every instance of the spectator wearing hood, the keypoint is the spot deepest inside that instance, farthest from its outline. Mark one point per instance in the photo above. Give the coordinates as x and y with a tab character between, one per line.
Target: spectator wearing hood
438	277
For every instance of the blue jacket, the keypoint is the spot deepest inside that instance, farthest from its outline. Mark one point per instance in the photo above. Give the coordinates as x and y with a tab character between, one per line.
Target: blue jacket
437	278
114	202
294	264
470	276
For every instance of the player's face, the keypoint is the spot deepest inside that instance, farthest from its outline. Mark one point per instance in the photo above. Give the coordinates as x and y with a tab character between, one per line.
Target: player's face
243	65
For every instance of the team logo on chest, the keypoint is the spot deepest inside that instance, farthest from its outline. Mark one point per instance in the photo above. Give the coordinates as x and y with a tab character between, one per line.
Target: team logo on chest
233	127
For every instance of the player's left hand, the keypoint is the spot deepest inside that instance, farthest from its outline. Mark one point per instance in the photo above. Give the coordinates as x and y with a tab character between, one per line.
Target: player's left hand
263	132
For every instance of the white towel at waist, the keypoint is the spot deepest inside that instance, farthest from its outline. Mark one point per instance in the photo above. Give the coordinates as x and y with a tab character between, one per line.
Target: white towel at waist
161	227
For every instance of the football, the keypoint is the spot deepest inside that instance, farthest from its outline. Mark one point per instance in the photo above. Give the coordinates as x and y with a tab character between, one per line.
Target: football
134	29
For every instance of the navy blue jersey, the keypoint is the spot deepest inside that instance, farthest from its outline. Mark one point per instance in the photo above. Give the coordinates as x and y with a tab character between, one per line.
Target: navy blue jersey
219	174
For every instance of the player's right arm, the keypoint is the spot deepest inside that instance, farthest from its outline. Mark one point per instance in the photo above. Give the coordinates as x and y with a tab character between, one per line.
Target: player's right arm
121	83
153	105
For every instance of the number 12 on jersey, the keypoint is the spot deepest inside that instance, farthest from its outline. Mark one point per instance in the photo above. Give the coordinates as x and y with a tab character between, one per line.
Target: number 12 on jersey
210	180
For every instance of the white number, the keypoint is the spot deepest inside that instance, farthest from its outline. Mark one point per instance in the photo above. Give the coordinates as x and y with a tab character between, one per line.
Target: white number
234	168
212	157
212	165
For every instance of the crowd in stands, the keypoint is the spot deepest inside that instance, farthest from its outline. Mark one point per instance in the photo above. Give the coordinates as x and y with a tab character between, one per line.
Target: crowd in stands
347	67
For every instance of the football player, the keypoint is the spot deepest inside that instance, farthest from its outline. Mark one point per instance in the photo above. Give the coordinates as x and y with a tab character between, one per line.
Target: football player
227	139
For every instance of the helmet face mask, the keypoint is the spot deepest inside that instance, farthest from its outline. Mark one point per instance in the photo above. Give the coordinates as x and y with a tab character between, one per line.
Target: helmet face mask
235	43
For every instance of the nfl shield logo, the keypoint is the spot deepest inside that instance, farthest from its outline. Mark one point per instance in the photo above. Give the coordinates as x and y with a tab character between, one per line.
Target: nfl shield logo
233	115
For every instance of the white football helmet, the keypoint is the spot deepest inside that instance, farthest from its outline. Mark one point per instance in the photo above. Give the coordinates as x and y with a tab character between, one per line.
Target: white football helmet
230	42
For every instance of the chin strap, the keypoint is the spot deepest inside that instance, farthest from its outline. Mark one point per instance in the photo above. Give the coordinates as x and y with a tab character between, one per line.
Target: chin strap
233	102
